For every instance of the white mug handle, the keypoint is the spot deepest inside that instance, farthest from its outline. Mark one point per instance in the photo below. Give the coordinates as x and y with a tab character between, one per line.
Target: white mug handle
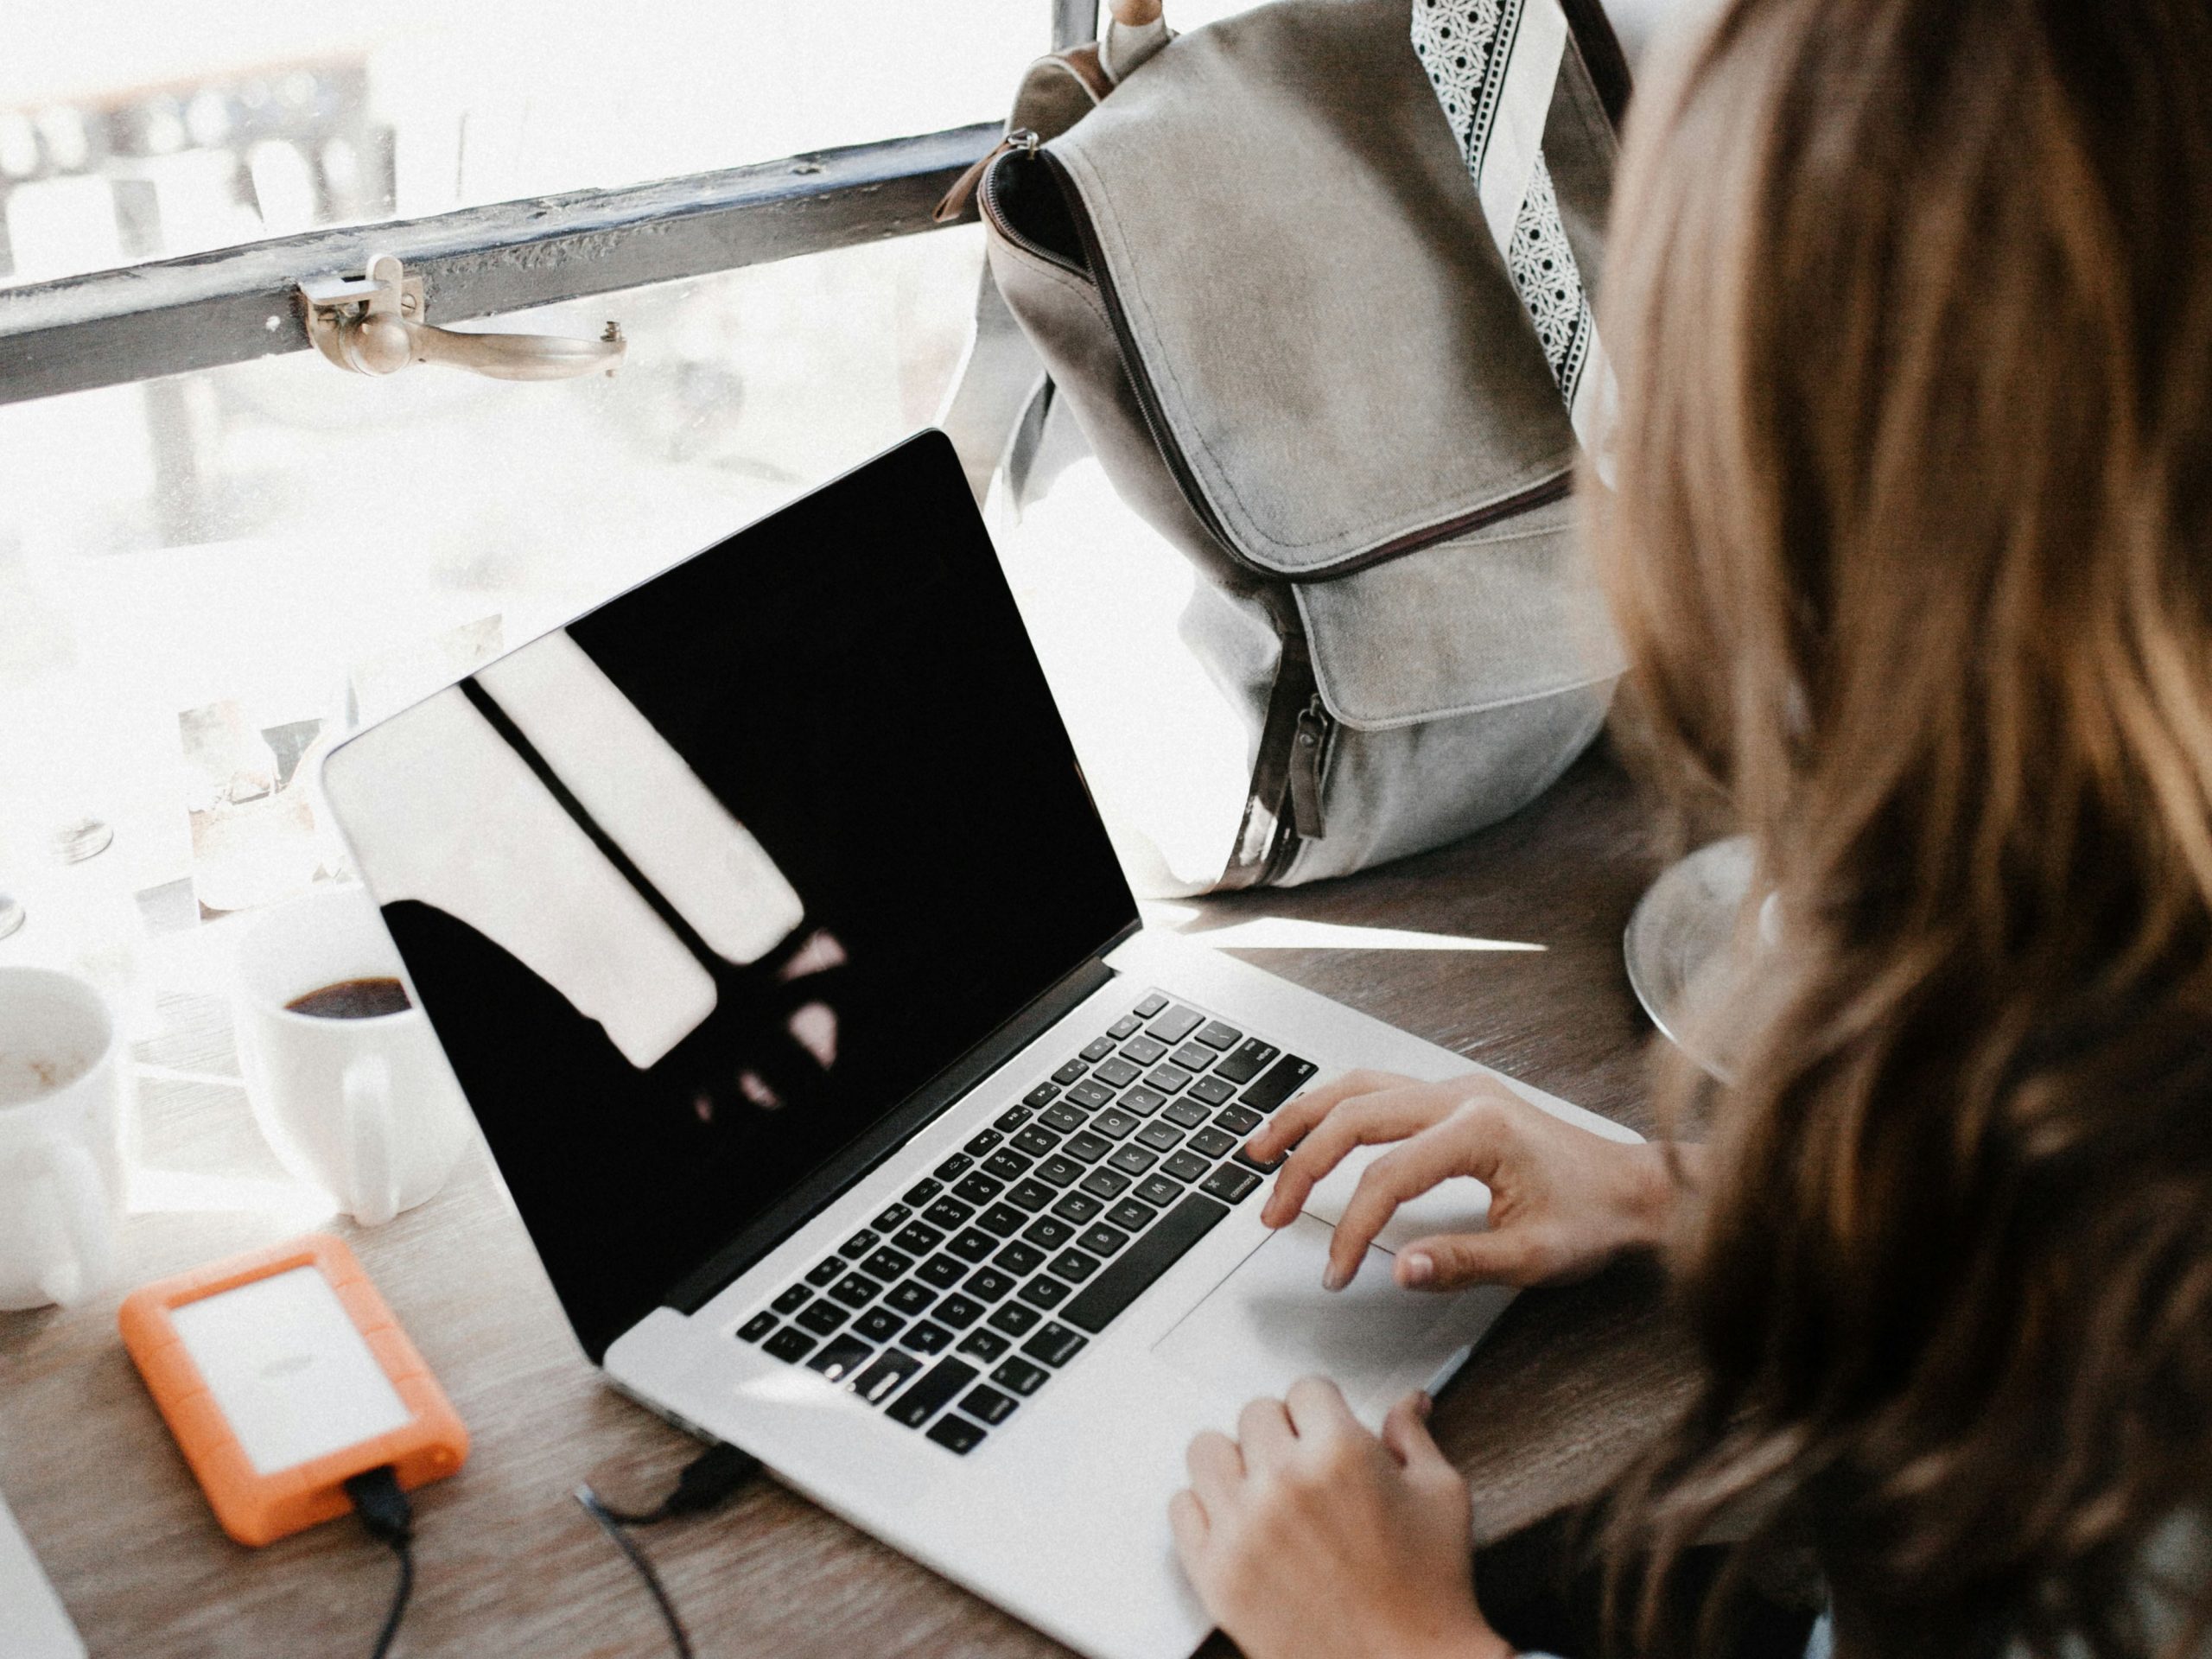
371	1165
75	1239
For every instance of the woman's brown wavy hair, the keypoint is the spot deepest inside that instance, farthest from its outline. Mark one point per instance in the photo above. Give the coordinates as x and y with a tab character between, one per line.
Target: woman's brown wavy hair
1911	543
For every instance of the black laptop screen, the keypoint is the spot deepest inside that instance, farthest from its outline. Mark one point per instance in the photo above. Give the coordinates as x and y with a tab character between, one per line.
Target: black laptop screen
697	891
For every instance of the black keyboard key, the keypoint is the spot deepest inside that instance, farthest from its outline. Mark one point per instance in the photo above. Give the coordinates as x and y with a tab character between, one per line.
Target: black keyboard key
1018	1258
910	1298
1141	1101
1045	1291
1247	1062
1283	1079
1059	1171
887	1263
878	1325
955	1433
1238	1120
988	1284
1268	1168
1175	1025
1211	1091
1185	1113
948	1213
942	1271
1103	1183
789	1346
1086	1148
1210	1142
986	1405
1216	1035
923	1192
934	1392
891	1219
1090	1096
973	1245
1011	1119
1041	1096
982	1142
1001	1220
1133	1217
1037	1139
986	1345
841	1358
1152	1005
1230	1185
1117	1073
1021	1376
1048	1232
1161	1136
1032	1194
1133	1160
1133	1272
884	1378
1143	1050
927	1338
1068	1073
825	1273
1055	1344
1064	1117
1074	1266
977	1189
1187	1167
860	1244
959	1312
1194	1057
1159	1190
1128	1025
954	1167
1007	1165
918	1238
756	1327
1166	1077
791	1300
1098	1049
1013	1317
855	1290
1078	1207
822	1318
1102	1240
1113	1123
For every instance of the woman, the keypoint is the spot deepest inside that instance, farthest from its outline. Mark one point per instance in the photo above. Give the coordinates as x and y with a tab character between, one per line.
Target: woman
1911	302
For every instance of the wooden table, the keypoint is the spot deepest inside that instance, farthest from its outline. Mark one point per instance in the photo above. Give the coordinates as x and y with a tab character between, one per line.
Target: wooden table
1567	1386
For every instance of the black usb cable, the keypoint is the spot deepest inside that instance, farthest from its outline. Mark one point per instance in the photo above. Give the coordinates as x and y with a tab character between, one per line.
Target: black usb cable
389	1517
706	1481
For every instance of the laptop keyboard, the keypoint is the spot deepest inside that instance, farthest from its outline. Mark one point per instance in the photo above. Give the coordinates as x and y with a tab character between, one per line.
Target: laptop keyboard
964	1299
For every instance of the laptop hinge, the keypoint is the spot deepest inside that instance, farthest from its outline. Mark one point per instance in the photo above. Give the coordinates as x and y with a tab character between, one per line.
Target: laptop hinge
833	1179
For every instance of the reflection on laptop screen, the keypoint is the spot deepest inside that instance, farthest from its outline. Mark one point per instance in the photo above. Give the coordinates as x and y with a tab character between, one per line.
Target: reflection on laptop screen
698	889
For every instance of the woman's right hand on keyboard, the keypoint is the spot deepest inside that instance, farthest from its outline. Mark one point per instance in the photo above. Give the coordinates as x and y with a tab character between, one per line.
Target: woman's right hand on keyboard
1564	1202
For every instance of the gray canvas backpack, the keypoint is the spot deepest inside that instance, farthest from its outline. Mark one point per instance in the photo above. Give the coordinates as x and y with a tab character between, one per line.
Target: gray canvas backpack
1258	275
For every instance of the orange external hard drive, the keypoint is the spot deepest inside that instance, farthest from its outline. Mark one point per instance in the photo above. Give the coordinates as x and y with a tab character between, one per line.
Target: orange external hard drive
282	1374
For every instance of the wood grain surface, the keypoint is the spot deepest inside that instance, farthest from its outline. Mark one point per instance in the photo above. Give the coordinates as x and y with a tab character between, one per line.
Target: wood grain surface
1571	1382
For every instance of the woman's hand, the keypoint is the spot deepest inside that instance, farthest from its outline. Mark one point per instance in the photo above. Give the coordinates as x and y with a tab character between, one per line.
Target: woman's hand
1563	1201
1306	1536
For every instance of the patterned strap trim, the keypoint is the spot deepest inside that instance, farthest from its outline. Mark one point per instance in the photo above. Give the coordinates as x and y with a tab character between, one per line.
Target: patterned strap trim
1494	65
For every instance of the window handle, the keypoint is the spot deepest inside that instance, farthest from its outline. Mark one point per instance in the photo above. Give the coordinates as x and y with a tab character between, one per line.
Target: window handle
374	325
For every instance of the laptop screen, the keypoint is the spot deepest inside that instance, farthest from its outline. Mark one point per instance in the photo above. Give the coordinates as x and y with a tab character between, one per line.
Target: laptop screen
698	889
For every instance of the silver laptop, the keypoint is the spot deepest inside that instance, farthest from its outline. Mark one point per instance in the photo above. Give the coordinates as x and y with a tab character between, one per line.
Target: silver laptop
858	1120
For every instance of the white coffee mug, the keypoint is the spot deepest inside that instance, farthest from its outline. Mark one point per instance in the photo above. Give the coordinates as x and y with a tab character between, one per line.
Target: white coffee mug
365	1109
62	1086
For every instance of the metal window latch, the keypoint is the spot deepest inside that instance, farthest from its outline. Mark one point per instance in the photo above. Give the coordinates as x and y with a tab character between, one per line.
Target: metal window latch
374	325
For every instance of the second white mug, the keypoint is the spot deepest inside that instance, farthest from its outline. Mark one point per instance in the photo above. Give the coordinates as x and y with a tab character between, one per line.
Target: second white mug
362	1106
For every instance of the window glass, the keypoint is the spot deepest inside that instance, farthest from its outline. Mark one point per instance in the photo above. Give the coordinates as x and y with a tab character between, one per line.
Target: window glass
203	577
136	130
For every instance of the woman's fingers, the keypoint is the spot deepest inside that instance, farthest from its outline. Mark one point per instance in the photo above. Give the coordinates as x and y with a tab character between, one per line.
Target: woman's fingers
1362	1122
1405	1434
1264	1432
1217	1467
1464	1144
1514	1255
1187	1518
1290	1123
1316	1410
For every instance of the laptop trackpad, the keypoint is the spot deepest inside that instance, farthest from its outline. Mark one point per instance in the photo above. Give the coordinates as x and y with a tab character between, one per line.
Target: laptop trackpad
1270	1323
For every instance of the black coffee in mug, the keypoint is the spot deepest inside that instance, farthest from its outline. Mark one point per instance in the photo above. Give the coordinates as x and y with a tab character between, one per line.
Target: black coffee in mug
352	998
